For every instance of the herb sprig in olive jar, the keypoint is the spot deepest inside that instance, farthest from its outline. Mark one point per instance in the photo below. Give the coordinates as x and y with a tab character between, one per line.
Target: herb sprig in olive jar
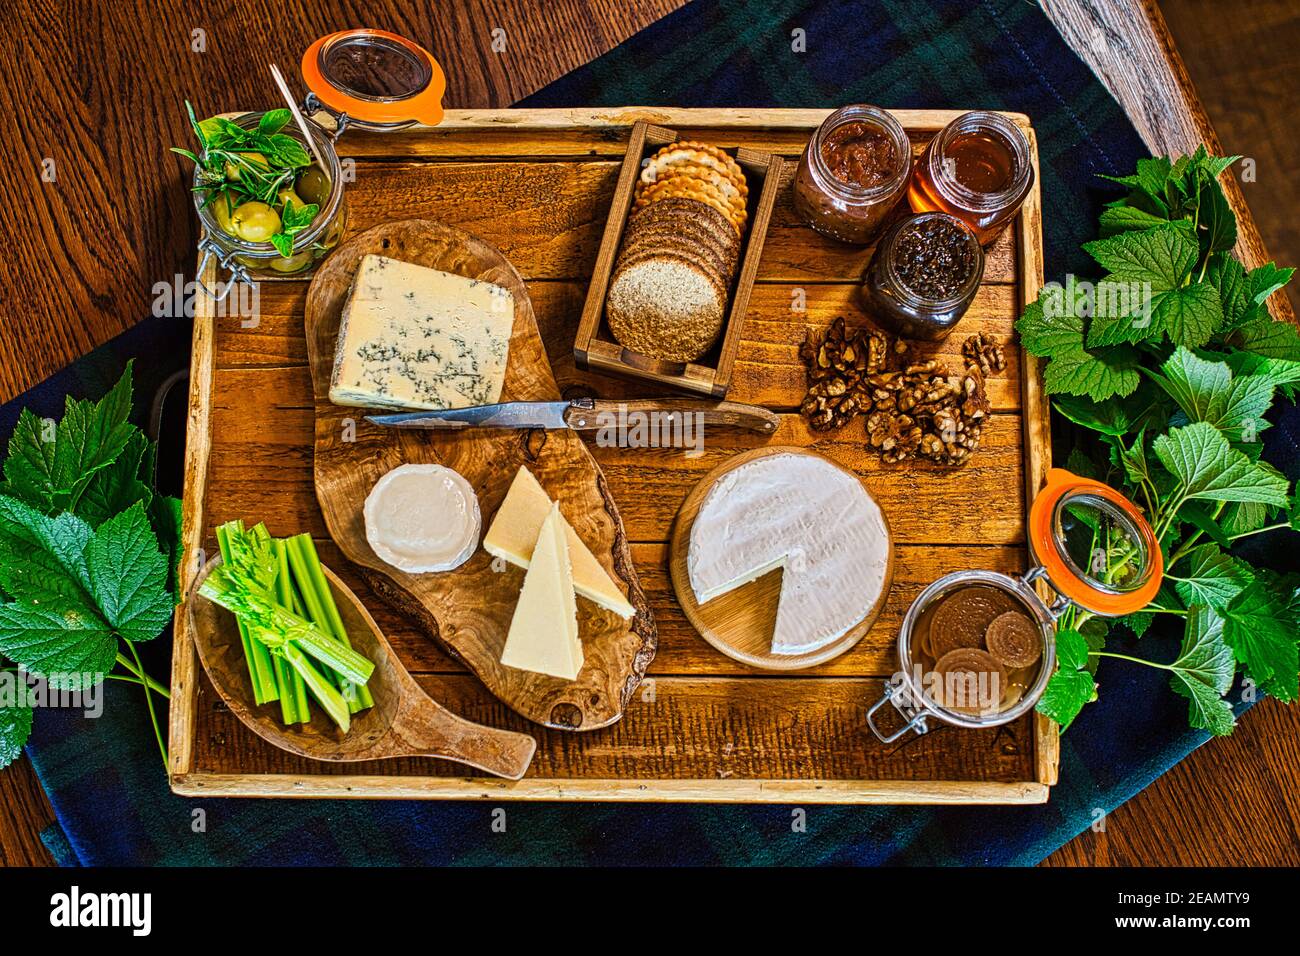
259	183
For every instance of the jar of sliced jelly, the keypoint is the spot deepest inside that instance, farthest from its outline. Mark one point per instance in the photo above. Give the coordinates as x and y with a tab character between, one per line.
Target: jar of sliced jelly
976	648
979	169
852	173
923	276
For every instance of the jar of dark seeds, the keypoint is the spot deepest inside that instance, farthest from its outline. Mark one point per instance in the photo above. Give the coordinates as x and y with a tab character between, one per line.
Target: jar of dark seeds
923	276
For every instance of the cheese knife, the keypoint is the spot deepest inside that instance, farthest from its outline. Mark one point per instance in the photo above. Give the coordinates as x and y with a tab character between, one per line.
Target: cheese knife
587	414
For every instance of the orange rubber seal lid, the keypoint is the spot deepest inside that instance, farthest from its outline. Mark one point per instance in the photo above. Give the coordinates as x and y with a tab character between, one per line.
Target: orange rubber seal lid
1046	541
376	77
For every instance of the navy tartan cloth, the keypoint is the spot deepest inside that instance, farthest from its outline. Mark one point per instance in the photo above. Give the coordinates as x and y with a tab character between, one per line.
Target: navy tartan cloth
104	777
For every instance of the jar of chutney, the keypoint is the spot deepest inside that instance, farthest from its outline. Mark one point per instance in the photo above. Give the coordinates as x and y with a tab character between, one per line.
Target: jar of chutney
923	276
979	169
852	173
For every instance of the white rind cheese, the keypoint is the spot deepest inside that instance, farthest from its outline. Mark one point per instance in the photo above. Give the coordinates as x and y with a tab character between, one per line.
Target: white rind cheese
804	515
412	337
422	518
543	634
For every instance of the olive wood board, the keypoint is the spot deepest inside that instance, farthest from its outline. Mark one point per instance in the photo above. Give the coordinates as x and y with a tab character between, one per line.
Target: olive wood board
404	722
739	623
469	609
702	727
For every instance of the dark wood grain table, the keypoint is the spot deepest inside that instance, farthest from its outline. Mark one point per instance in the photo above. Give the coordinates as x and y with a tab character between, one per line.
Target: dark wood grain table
98	100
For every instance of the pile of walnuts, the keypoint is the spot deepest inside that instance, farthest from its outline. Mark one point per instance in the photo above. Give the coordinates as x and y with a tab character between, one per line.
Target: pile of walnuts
911	410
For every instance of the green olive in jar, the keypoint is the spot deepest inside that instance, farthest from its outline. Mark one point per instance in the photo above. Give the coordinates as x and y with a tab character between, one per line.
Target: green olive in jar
256	160
221	208
313	186
294	263
287	195
255	222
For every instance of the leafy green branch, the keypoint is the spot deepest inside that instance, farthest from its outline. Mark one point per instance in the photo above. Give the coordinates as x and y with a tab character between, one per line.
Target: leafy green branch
1169	365
83	577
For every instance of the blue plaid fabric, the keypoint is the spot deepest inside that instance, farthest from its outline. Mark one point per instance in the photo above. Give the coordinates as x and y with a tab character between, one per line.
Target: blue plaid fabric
105	779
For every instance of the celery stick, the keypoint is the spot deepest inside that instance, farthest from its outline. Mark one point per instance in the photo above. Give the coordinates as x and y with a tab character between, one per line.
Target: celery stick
262	680
316	591
331	700
294	688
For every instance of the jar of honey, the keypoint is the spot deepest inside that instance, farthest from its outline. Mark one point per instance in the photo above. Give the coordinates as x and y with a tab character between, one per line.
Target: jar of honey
852	173
923	276
977	648
978	169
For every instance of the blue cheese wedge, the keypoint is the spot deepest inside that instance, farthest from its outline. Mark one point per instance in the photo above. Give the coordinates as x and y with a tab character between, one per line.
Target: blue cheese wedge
413	337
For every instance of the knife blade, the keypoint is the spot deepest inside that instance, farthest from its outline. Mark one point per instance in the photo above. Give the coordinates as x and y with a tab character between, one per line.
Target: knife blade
584	414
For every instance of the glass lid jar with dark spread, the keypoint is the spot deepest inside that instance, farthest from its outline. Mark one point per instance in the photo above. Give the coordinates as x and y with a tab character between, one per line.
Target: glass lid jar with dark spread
978	169
852	173
923	276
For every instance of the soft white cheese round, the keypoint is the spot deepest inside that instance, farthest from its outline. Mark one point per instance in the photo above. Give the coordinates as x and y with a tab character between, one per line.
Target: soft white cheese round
805	515
422	518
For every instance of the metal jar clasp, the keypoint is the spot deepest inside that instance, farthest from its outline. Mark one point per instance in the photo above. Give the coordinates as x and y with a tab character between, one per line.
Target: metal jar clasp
897	693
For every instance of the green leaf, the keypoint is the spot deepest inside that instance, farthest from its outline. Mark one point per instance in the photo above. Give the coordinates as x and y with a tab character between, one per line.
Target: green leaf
1048	328
1217	220
273	121
1269	338
165	515
1265	280
1190	315
1262	633
15	728
1080	464
1134	460
29	467
127	575
283	243
72	650
1197	514
1139	622
1228	276
1208	576
1123	218
117	487
1071	687
1164	256
1107	417
1203	672
90	437
1125	312
1094	631
41	557
1242	517
287	152
1206	466
1207	392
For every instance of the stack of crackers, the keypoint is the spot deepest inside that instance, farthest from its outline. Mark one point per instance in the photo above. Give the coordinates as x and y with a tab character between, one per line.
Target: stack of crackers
669	290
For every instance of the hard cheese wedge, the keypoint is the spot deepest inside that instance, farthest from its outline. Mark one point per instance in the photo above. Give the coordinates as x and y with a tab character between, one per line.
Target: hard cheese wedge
543	634
412	337
514	532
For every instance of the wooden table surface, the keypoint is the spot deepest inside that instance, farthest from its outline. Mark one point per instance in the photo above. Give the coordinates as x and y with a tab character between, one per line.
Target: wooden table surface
97	105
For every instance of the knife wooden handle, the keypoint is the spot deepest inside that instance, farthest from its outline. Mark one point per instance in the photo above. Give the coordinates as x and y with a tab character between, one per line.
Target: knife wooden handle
593	414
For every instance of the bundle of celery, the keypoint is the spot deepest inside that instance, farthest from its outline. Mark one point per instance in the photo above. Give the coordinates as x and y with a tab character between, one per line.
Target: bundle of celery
293	637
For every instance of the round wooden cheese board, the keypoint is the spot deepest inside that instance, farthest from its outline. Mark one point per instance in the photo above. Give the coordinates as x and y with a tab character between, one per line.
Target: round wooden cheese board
740	622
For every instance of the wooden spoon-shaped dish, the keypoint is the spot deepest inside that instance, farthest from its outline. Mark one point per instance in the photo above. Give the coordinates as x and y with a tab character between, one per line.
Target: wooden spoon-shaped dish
405	721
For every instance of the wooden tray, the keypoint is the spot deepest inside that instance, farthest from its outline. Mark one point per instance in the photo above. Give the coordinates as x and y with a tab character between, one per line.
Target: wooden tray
740	622
595	346
701	727
469	610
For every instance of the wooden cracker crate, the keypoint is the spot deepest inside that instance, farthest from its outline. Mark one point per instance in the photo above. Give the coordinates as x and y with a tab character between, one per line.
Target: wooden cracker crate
538	184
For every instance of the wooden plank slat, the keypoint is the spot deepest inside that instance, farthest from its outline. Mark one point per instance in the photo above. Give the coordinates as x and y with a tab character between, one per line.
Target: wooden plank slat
681	728
681	652
767	372
548	217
